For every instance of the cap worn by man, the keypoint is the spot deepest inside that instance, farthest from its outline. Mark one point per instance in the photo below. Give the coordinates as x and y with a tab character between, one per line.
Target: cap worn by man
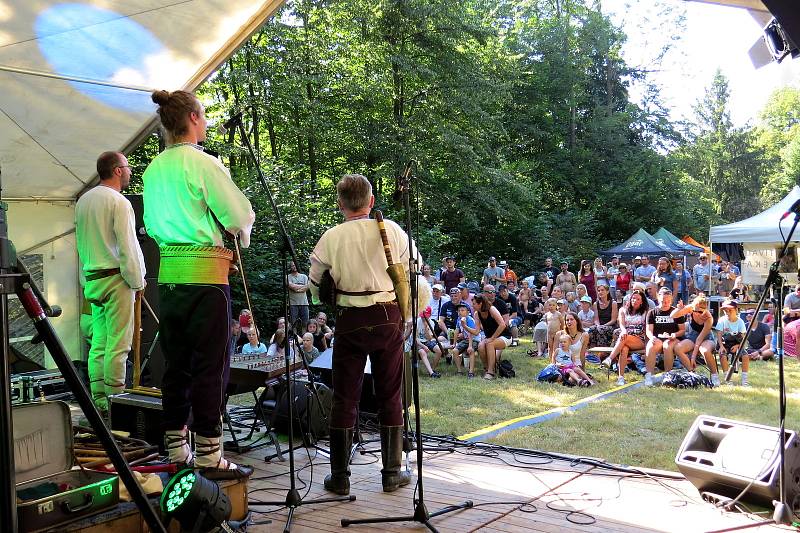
437	287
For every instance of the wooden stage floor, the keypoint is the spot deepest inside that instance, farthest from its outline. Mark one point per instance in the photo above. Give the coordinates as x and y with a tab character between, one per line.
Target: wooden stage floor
552	496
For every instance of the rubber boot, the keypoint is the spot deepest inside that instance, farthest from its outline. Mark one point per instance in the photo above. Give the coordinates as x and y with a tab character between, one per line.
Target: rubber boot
392	455
338	481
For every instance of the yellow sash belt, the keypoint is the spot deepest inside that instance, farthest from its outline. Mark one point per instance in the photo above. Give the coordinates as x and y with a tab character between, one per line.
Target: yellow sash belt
195	264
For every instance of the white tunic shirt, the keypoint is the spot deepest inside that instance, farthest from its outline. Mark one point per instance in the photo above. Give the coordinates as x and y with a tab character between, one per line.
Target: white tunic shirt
353	252
184	190
106	235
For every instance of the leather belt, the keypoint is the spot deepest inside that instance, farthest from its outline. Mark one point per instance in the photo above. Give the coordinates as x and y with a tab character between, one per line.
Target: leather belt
100	274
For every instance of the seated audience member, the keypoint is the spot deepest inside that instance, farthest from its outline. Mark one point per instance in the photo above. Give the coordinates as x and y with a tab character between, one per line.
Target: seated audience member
570	370
573	302
580	292
664	332
512	318
730	334
651	290
322	320
586	314
278	345
641	287
496	335
624	279
320	342
579	339
632	319
557	292
605	319
468	338
535	310
739	291
426	342
790	334
310	352
466	294
253	346
791	306
563	307
760	339
245	320
436	303
699	338
543	281
449	316
512	287
237	338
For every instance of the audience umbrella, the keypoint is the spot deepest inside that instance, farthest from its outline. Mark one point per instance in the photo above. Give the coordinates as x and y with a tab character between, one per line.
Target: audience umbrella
663	236
642	243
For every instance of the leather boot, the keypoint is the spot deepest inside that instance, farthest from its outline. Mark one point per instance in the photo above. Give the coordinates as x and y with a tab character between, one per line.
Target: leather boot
338	481
392	455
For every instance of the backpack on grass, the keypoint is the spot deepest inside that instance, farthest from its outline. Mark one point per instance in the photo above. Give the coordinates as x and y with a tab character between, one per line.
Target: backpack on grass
683	379
506	369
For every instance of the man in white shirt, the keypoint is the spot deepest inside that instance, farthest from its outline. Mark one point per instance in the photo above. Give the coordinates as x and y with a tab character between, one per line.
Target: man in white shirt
437	302
368	322
113	268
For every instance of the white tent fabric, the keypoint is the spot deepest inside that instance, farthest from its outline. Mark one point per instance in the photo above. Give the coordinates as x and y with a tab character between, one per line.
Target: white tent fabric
75	80
761	228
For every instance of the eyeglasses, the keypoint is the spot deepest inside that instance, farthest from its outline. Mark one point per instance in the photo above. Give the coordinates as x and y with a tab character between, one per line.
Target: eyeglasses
490	292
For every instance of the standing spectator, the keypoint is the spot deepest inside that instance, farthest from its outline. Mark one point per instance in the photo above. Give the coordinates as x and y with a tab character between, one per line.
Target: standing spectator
439	271
684	281
664	332
253	345
726	277
664	276
644	272
624	279
524	297
298	301
451	276
637	262
701	274
611	273
601	274
554	322
565	279
510	274
586	276
426	273
632	332
605	319
550	271
493	274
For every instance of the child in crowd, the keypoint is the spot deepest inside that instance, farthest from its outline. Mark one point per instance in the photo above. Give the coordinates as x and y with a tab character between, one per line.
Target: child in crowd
523	299
572	302
426	342
569	370
731	329
309	350
563	307
468	336
555	323
586	313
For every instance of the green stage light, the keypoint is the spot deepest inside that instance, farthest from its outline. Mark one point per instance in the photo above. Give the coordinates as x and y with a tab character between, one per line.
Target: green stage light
195	502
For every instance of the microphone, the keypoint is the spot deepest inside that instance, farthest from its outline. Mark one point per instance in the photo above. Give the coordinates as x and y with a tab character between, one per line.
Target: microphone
795	209
229	124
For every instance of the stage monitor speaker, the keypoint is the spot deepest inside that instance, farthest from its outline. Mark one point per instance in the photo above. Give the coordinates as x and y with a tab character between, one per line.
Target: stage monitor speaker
722	456
311	419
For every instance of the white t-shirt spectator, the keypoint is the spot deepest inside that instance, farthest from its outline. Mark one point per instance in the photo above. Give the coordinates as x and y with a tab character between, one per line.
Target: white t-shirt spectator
436	306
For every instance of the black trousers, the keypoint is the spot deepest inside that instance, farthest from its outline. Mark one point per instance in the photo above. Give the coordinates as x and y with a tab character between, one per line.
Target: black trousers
194	331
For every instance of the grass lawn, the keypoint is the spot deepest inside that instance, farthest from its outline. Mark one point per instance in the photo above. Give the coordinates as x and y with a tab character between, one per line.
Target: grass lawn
643	427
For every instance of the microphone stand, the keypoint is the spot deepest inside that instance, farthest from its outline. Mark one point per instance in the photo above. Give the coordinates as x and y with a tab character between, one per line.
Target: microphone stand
421	513
15	279
782	514
293	499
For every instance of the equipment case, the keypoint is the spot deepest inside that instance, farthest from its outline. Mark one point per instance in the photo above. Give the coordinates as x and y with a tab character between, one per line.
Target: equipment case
43	453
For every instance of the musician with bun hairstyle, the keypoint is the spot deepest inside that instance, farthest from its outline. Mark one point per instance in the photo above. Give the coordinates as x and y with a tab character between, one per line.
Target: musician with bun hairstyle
189	200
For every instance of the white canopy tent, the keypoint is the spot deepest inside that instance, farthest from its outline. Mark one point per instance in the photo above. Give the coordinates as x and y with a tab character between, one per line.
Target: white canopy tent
75	80
761	228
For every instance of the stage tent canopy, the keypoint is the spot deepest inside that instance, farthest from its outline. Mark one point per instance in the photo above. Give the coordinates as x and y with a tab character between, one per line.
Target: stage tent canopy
75	80
642	243
664	237
761	228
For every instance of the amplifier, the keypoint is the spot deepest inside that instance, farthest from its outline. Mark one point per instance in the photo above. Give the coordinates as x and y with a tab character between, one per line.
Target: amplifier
140	415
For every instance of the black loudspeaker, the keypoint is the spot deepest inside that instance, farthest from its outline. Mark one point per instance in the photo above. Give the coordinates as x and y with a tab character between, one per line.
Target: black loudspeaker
154	372
723	457
310	417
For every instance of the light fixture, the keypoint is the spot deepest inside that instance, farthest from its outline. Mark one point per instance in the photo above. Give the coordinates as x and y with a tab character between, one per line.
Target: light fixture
195	502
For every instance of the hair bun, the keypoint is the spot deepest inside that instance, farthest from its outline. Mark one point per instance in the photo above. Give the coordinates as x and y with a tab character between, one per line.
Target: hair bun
160	97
